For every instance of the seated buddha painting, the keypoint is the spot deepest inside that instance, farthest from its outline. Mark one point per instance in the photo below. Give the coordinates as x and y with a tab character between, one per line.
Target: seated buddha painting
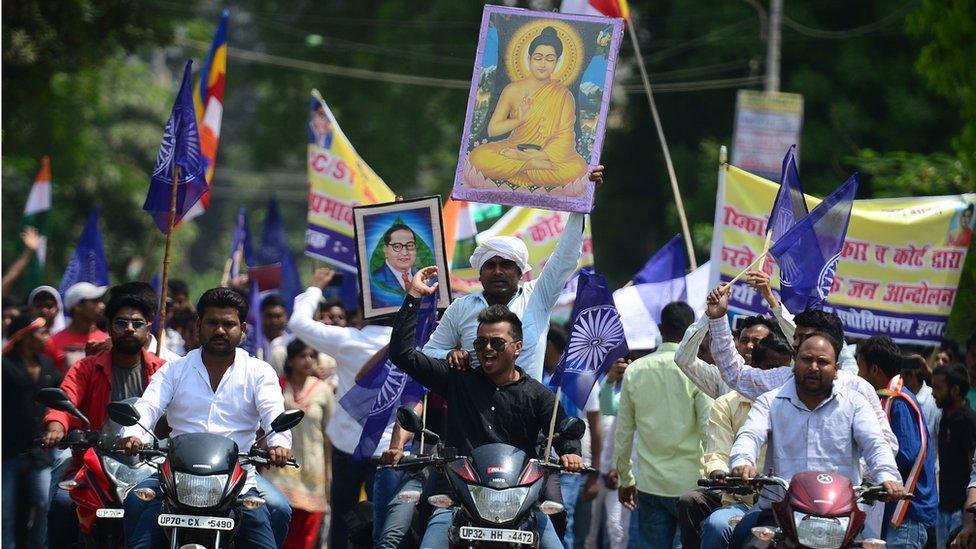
537	109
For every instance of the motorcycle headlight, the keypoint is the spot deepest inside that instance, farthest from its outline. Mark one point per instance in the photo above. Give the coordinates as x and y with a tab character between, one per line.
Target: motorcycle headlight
498	505
124	476
820	532
199	491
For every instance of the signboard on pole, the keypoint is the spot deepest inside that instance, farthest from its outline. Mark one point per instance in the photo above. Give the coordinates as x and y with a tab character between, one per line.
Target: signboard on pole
766	124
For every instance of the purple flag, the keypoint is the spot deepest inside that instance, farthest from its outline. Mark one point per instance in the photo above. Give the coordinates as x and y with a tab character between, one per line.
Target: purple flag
373	400
241	252
180	147
595	341
789	205
88	263
254	342
807	254
668	263
274	249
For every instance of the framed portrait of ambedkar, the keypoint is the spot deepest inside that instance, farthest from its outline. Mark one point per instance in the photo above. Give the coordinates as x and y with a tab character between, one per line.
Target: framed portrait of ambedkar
537	109
393	242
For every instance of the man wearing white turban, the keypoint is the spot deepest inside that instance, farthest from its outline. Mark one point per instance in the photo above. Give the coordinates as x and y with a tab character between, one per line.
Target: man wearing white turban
501	261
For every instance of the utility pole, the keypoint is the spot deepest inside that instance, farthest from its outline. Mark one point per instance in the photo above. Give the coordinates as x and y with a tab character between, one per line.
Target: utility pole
773	46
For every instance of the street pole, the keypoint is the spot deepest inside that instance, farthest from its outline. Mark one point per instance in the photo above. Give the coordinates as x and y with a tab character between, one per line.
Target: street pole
773	46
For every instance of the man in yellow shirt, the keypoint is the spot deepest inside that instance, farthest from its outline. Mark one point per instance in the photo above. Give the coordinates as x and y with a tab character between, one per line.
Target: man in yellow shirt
668	413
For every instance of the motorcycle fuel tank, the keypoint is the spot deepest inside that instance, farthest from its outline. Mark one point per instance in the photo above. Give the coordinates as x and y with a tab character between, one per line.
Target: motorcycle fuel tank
499	465
821	493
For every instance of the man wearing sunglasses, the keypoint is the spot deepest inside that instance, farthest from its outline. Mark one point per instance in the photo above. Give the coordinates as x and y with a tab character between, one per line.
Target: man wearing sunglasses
497	402
117	373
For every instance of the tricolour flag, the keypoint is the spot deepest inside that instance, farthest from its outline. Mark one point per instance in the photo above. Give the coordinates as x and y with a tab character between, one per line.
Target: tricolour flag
88	263
373	400
608	8
208	101
180	147
596	340
789	205
37	210
807	254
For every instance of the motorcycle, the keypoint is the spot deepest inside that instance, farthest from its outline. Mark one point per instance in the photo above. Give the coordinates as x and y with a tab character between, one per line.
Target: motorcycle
495	490
819	509
105	478
201	477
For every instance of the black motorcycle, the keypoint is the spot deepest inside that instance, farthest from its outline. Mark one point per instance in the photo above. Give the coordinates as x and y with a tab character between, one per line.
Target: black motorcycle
201	478
495	491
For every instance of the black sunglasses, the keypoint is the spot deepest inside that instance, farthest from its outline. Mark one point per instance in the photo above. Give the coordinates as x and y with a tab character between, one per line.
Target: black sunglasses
497	344
123	323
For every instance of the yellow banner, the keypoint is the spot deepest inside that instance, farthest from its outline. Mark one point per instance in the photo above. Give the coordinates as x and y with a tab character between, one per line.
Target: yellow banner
539	229
899	269
339	180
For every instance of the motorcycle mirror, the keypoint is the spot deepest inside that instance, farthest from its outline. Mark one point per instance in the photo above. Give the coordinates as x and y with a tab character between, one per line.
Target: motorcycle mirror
55	398
409	420
123	413
571	428
287	420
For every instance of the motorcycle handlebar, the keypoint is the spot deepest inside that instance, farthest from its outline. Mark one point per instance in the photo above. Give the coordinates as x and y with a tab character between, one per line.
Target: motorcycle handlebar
559	467
415	463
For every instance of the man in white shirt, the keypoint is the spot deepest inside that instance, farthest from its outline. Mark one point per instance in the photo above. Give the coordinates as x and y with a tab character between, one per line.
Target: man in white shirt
501	261
352	349
216	389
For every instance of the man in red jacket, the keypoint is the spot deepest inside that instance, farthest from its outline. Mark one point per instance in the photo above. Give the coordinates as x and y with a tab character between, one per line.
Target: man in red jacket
121	372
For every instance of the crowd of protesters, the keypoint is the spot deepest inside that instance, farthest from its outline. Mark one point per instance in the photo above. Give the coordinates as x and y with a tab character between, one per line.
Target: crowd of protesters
704	403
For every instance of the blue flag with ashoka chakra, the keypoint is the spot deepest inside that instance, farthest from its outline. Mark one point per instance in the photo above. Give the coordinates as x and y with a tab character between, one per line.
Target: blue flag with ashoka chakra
789	206
596	340
180	147
373	400
807	254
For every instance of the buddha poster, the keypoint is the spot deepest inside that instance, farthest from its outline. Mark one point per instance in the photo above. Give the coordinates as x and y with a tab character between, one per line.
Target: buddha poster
537	109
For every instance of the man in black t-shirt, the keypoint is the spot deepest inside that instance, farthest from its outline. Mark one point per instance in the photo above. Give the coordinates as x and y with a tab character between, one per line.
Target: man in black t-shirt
957	442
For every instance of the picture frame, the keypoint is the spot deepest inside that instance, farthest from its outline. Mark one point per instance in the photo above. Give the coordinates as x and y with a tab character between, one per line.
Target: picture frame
393	241
537	109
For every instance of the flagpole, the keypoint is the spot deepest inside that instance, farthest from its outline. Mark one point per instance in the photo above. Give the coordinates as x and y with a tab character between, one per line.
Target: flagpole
664	145
552	421
169	240
765	252
423	419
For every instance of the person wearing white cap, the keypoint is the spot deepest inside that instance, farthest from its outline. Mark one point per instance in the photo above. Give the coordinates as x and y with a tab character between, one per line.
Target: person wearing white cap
501	261
83	302
45	302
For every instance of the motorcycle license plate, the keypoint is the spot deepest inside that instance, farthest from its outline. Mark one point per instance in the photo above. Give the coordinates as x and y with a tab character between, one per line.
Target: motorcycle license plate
191	521
107	512
497	534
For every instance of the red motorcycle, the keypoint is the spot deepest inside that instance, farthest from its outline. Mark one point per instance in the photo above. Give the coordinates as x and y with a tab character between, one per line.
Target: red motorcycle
99	487
818	509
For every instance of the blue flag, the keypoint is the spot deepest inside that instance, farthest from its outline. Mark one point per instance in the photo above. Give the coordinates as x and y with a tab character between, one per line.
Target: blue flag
668	263
596	340
789	205
180	147
373	400
254	342
274	249
241	251
88	263
807	254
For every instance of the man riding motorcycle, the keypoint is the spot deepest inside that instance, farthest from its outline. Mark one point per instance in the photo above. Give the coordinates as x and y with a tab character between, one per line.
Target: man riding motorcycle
217	389
497	402
114	374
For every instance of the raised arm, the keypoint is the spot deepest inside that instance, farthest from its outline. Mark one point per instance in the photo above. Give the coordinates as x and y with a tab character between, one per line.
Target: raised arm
561	264
431	372
323	338
704	375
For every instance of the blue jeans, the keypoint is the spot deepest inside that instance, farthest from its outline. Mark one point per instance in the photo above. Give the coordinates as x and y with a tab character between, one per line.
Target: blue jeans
392	518
278	506
911	534
440	523
570	485
743	531
25	485
142	532
946	522
62	521
348	477
657	518
716	532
